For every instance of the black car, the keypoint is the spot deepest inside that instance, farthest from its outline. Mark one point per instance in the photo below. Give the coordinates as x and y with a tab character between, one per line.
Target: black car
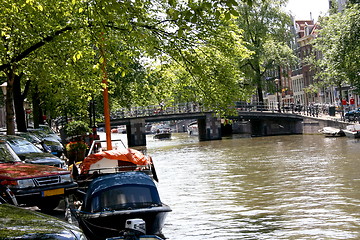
353	115
20	223
34	140
29	153
49	139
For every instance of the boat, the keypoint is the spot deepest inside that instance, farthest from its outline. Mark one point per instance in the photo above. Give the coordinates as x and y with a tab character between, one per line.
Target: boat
162	134
119	159
193	129
116	186
113	199
332	132
141	237
352	131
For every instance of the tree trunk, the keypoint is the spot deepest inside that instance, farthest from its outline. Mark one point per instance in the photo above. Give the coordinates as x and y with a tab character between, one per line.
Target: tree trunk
37	113
9	102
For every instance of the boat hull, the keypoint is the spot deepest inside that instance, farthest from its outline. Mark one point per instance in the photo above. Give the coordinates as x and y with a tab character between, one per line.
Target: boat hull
110	224
162	135
352	131
332	132
352	134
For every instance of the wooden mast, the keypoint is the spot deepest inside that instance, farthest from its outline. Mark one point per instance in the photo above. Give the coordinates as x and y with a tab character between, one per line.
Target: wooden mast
105	94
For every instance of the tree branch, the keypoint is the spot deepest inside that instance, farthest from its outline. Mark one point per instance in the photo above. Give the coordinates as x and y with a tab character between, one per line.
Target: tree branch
34	47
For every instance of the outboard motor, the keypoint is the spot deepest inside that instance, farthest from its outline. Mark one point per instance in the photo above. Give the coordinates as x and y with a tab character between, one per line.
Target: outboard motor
134	228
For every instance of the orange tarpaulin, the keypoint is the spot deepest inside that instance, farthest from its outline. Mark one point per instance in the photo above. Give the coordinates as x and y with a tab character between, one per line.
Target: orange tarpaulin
127	155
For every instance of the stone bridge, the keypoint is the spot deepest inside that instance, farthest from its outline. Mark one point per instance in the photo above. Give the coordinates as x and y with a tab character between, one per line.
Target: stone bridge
255	123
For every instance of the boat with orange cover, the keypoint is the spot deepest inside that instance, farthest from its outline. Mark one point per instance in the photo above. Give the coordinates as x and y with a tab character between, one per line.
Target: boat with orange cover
115	186
119	159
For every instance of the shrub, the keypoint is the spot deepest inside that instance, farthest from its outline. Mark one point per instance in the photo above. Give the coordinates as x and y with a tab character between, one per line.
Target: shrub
77	128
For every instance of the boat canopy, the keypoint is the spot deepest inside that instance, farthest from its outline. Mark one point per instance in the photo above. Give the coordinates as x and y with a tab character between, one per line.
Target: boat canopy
114	158
121	190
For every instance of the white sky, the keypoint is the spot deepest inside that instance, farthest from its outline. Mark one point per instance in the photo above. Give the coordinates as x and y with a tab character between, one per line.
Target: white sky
301	8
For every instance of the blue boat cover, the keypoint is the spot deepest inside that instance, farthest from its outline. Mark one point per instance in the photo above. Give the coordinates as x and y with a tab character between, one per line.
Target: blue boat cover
119	190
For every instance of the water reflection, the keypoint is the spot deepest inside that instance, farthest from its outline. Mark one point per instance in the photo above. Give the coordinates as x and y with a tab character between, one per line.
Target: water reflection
281	187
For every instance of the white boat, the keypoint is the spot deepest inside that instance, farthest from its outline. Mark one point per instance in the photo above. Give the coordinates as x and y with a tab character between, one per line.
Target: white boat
352	131
332	132
193	129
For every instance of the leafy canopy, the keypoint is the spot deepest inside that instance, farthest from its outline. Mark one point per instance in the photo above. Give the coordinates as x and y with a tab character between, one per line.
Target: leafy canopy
339	44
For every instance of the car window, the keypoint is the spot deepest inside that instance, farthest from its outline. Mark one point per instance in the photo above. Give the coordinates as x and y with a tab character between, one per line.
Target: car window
23	146
6	155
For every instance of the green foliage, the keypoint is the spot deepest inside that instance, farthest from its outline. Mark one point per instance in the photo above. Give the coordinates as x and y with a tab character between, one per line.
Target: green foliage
267	34
66	48
77	128
340	48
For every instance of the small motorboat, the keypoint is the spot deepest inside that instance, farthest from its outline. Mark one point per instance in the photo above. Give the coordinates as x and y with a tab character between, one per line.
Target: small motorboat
113	199
162	134
352	131
332	132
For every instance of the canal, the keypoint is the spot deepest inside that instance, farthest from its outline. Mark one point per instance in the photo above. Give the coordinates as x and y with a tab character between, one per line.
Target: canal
280	187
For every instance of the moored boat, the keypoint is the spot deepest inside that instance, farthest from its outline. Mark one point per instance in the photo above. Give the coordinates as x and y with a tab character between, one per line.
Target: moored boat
332	132
119	159
112	199
352	131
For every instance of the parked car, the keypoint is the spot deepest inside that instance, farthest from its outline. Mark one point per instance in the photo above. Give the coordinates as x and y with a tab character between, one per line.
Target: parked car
34	140
32	184
20	223
29	153
49	140
353	115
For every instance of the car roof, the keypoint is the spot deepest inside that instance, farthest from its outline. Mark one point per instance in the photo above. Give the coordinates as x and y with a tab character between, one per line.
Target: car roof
11	137
20	223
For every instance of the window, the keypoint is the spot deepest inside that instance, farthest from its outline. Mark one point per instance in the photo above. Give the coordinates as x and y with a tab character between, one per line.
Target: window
125	197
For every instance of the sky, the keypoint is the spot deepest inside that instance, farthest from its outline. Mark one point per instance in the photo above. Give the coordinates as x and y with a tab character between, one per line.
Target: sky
301	8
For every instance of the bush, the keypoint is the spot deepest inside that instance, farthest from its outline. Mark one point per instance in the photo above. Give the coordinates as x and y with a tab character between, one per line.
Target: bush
77	128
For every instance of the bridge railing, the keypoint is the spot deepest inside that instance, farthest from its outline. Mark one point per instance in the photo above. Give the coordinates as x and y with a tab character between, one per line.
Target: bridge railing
191	107
311	109
154	110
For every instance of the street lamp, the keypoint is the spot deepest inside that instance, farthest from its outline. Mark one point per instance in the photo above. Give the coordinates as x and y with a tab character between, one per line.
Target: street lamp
3	87
27	111
277	81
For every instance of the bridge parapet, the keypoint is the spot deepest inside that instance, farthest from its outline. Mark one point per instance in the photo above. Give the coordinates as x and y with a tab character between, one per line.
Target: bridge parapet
155	110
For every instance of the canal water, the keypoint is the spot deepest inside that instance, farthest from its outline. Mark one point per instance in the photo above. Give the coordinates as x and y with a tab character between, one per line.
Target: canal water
279	187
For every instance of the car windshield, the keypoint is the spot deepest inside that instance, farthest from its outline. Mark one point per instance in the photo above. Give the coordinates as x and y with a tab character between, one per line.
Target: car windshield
7	155
29	137
40	134
23	146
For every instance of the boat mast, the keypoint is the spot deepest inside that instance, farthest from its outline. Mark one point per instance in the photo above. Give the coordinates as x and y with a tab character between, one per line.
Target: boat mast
105	94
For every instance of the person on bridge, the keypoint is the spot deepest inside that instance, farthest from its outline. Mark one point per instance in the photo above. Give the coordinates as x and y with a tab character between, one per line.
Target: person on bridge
352	103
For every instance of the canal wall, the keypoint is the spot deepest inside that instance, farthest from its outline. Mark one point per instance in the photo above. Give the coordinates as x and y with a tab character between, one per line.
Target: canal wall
312	125
309	125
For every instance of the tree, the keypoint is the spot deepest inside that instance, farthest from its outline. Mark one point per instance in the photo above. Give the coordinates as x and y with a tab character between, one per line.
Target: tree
338	43
66	33
267	33
26	27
